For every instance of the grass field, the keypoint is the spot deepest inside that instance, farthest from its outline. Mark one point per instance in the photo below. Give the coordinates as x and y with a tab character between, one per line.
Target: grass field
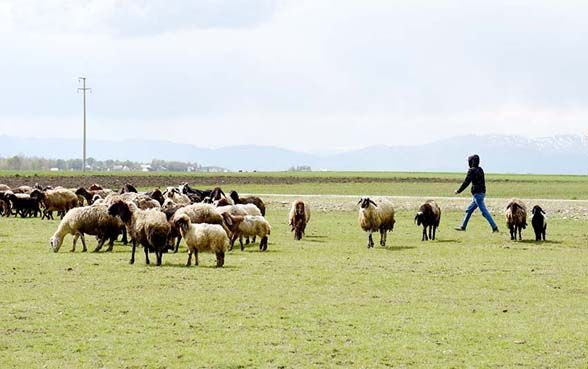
471	299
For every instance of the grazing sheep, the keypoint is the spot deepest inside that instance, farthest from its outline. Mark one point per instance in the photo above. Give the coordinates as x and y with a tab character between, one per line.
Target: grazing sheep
203	237
374	218
539	222
92	220
248	225
248	200
429	215
59	199
198	213
516	218
150	228
298	218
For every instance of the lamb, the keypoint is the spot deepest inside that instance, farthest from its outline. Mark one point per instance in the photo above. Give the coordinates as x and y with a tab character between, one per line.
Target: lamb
516	218
198	213
374	218
59	199
203	237
429	215
248	200
92	220
150	228
298	218
539	222
248	225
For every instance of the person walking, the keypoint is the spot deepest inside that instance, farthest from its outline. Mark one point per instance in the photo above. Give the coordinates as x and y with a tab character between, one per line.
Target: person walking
475	176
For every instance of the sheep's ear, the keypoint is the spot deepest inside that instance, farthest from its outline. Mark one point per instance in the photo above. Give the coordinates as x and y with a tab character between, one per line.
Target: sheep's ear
416	217
228	220
370	200
360	200
542	211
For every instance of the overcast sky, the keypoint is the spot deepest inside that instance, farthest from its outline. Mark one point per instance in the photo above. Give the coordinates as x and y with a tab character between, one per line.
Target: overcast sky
306	75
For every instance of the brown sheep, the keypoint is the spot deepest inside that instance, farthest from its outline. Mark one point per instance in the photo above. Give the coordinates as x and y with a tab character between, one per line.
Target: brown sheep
516	218
59	199
298	218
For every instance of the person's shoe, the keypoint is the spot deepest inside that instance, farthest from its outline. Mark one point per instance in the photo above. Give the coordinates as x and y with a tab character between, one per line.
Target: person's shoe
461	229
495	230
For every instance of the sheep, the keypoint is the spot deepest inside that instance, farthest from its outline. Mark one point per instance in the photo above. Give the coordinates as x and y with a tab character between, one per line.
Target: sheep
143	202
150	228
298	218
5	203
128	188
198	213
23	204
516	218
539	222
177	197
23	189
429	215
4	188
374	218
248	200
248	225
90	195
95	187
157	195
92	220
241	209
59	199
203	237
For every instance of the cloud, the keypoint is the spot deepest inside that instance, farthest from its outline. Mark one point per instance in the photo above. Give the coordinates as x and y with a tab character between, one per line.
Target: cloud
305	73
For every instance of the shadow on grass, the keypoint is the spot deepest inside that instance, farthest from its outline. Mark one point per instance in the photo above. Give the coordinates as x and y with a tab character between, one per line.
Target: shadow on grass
201	266
445	241
309	239
546	242
396	248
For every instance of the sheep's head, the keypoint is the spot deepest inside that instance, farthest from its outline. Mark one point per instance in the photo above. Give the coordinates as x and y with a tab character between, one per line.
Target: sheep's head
55	243
157	195
299	208
419	218
217	193
37	194
234	196
121	209
183	224
365	202
537	210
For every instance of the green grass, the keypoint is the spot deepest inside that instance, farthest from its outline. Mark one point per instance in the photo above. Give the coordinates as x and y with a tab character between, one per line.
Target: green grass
469	299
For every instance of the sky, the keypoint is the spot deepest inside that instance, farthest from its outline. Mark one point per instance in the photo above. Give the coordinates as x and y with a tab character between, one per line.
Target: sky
308	75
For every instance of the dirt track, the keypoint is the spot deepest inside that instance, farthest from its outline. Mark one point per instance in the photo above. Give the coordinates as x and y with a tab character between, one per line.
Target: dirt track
566	209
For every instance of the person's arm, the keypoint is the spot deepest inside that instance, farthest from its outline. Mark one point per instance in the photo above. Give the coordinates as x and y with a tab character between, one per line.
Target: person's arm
466	182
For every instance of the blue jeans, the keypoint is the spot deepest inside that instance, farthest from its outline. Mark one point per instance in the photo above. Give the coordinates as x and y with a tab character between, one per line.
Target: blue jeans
478	202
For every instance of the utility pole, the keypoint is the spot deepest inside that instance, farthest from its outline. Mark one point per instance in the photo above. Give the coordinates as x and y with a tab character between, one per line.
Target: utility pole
84	89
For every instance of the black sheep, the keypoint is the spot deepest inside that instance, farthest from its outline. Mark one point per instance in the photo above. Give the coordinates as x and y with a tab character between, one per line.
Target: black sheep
429	216
539	222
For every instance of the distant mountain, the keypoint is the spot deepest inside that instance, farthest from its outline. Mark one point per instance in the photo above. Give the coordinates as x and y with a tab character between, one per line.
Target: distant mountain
500	153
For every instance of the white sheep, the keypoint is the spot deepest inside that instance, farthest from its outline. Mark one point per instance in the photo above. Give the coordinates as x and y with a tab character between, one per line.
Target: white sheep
248	226
93	220
203	238
376	217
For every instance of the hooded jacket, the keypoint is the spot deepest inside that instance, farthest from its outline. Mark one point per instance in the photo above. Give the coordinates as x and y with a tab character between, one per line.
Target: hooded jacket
475	176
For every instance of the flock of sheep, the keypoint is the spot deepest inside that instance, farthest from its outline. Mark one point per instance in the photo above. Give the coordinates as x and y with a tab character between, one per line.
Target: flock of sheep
208	220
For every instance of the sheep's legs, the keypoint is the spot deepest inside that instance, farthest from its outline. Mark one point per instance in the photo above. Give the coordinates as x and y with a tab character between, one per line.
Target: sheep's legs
431	237
178	244
370	240
84	249
241	242
220	259
424	237
146	250
75	240
189	262
520	236
110	244
159	257
124	236
383	236
195	257
132	261
434	231
263	244
101	242
232	241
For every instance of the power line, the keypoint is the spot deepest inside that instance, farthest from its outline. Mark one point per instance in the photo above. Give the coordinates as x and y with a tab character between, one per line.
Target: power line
84	89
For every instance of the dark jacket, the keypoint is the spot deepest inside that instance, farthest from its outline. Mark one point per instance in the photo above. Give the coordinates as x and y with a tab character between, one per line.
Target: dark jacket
475	176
